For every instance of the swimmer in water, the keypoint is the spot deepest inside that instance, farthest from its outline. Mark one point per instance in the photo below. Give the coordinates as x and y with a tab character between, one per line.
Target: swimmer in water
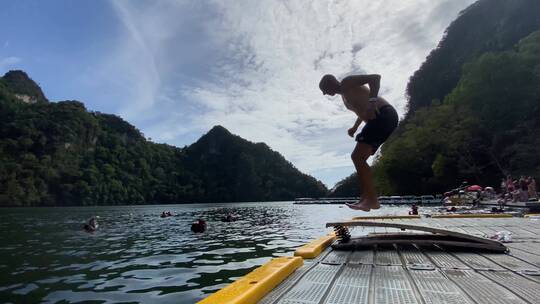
92	224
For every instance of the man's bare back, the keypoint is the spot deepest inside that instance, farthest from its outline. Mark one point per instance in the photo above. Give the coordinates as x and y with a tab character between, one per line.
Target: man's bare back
356	99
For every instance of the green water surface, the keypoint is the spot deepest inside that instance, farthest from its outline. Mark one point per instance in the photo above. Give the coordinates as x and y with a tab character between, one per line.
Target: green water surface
138	257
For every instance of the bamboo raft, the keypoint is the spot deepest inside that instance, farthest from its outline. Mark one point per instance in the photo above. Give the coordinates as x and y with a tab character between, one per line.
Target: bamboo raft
375	269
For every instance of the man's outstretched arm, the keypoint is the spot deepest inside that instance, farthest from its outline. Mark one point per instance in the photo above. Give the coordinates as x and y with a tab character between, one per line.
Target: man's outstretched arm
357	122
374	82
352	130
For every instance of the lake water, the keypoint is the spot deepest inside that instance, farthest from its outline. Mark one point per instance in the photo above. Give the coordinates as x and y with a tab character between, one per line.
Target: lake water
138	257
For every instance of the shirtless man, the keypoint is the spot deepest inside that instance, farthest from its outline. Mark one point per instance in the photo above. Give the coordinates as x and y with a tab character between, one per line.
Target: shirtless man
381	120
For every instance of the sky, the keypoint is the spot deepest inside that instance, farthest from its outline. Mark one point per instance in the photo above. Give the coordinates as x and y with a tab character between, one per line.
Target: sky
176	68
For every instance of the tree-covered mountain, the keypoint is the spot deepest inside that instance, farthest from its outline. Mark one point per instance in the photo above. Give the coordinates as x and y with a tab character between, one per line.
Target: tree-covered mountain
485	26
474	105
232	168
60	154
347	187
18	84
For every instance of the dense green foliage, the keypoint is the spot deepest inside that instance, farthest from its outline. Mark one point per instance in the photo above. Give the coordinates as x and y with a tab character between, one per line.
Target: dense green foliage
474	106
486	127
232	168
485	26
17	82
347	187
60	154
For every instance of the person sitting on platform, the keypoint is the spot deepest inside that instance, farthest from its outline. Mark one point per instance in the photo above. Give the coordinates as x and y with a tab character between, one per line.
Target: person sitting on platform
532	188
414	210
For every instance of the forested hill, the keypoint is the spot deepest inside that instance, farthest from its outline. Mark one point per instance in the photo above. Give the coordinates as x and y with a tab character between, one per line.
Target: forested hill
60	154
18	84
232	168
485	26
474	107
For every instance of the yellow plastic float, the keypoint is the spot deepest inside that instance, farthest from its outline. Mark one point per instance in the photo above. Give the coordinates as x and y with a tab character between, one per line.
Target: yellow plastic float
252	287
312	249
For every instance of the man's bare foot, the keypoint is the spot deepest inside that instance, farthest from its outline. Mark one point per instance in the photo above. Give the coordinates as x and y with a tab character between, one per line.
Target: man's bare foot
365	205
358	206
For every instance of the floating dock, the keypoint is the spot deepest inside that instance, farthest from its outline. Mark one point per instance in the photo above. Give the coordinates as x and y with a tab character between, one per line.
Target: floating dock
415	272
532	205
384	200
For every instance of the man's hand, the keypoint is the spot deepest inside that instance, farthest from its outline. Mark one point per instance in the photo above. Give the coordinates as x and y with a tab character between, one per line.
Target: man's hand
357	123
351	131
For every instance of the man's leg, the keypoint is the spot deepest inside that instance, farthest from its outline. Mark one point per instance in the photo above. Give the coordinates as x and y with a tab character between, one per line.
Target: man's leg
361	153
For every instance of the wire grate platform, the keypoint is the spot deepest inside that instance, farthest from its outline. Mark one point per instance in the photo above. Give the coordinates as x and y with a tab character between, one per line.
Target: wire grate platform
421	273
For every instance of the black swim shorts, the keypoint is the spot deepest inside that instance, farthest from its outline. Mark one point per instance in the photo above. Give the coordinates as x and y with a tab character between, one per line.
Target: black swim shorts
377	130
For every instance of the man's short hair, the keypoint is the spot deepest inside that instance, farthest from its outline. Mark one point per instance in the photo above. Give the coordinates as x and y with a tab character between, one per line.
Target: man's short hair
325	80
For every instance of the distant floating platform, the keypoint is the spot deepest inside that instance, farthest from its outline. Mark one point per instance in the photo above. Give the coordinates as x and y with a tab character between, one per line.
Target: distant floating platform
326	200
384	200
531	205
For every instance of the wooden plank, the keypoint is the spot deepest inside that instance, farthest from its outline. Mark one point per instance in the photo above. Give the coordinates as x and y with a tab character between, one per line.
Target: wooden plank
386	217
475	231
471	215
403	226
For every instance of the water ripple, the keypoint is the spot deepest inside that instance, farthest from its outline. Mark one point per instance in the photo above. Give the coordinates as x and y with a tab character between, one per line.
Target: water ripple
136	256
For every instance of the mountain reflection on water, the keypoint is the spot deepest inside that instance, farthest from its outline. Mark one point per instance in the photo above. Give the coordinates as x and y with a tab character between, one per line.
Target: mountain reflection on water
136	256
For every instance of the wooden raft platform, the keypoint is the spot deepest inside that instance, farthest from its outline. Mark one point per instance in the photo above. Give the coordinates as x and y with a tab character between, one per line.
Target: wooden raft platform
418	233
420	273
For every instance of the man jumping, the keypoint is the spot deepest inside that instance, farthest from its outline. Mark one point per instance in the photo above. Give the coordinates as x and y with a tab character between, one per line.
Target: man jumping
381	120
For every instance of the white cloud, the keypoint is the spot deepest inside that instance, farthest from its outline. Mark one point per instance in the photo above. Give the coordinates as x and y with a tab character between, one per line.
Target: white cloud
8	62
256	66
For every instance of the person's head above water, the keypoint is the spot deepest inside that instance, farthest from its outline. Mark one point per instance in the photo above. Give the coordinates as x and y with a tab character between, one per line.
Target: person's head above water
329	85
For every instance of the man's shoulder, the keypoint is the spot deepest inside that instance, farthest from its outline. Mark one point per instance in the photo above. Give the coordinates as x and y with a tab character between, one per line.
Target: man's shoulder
347	83
353	89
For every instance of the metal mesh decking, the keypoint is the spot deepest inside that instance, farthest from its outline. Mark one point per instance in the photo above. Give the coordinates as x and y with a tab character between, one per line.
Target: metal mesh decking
423	274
